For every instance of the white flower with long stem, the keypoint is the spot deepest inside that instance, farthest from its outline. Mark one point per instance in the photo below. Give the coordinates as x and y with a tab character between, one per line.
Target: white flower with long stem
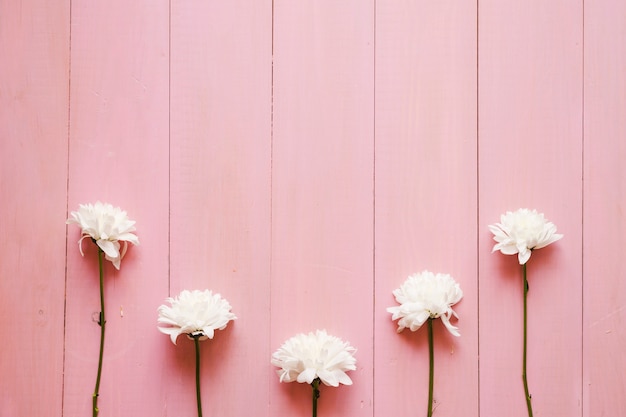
423	298
313	358
106	226
521	232
196	314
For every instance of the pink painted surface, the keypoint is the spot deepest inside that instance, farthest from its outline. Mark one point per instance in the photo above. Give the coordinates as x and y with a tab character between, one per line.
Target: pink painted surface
302	158
530	153
220	145
34	73
322	191
426	198
604	204
118	152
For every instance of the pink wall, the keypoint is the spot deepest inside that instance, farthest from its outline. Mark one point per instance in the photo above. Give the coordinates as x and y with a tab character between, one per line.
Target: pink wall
302	158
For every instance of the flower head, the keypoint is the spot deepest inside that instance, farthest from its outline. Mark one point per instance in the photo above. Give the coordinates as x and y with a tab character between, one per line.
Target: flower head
107	226
426	295
522	231
196	314
305	357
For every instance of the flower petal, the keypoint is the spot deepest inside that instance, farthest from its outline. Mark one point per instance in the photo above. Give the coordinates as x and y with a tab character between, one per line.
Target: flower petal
194	313
315	355
522	231
107	225
452	329
109	248
308	375
171	331
523	257
423	296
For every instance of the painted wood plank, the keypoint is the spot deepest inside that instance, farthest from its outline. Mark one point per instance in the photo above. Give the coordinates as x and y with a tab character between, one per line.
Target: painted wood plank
426	193
220	198
530	148
322	191
315	260
605	197
34	74
119	153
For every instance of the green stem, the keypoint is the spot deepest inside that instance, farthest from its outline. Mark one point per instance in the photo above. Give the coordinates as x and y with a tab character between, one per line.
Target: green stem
102	323
527	395
431	367
316	394
198	397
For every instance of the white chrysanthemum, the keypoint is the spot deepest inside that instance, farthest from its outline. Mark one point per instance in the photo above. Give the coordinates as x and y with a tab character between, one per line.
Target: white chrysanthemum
195	313
426	295
305	357
522	231
107	226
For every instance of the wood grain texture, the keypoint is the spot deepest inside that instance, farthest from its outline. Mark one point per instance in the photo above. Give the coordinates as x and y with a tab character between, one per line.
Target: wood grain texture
322	191
530	147
118	154
302	158
426	192
220	198
605	197
34	75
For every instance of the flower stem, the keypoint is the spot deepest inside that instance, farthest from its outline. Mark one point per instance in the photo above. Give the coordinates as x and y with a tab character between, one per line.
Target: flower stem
102	323
198	396
316	394
527	395
431	367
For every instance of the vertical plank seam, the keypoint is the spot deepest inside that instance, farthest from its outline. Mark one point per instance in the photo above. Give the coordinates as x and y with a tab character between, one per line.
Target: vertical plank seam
582	220
271	191
169	150
478	384
374	212
67	193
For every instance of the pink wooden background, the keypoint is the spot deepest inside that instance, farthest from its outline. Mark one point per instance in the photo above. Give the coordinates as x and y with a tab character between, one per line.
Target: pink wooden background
302	158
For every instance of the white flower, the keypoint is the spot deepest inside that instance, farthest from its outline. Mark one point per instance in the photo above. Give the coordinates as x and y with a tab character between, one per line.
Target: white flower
305	357
522	231
195	313
107	226
426	295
